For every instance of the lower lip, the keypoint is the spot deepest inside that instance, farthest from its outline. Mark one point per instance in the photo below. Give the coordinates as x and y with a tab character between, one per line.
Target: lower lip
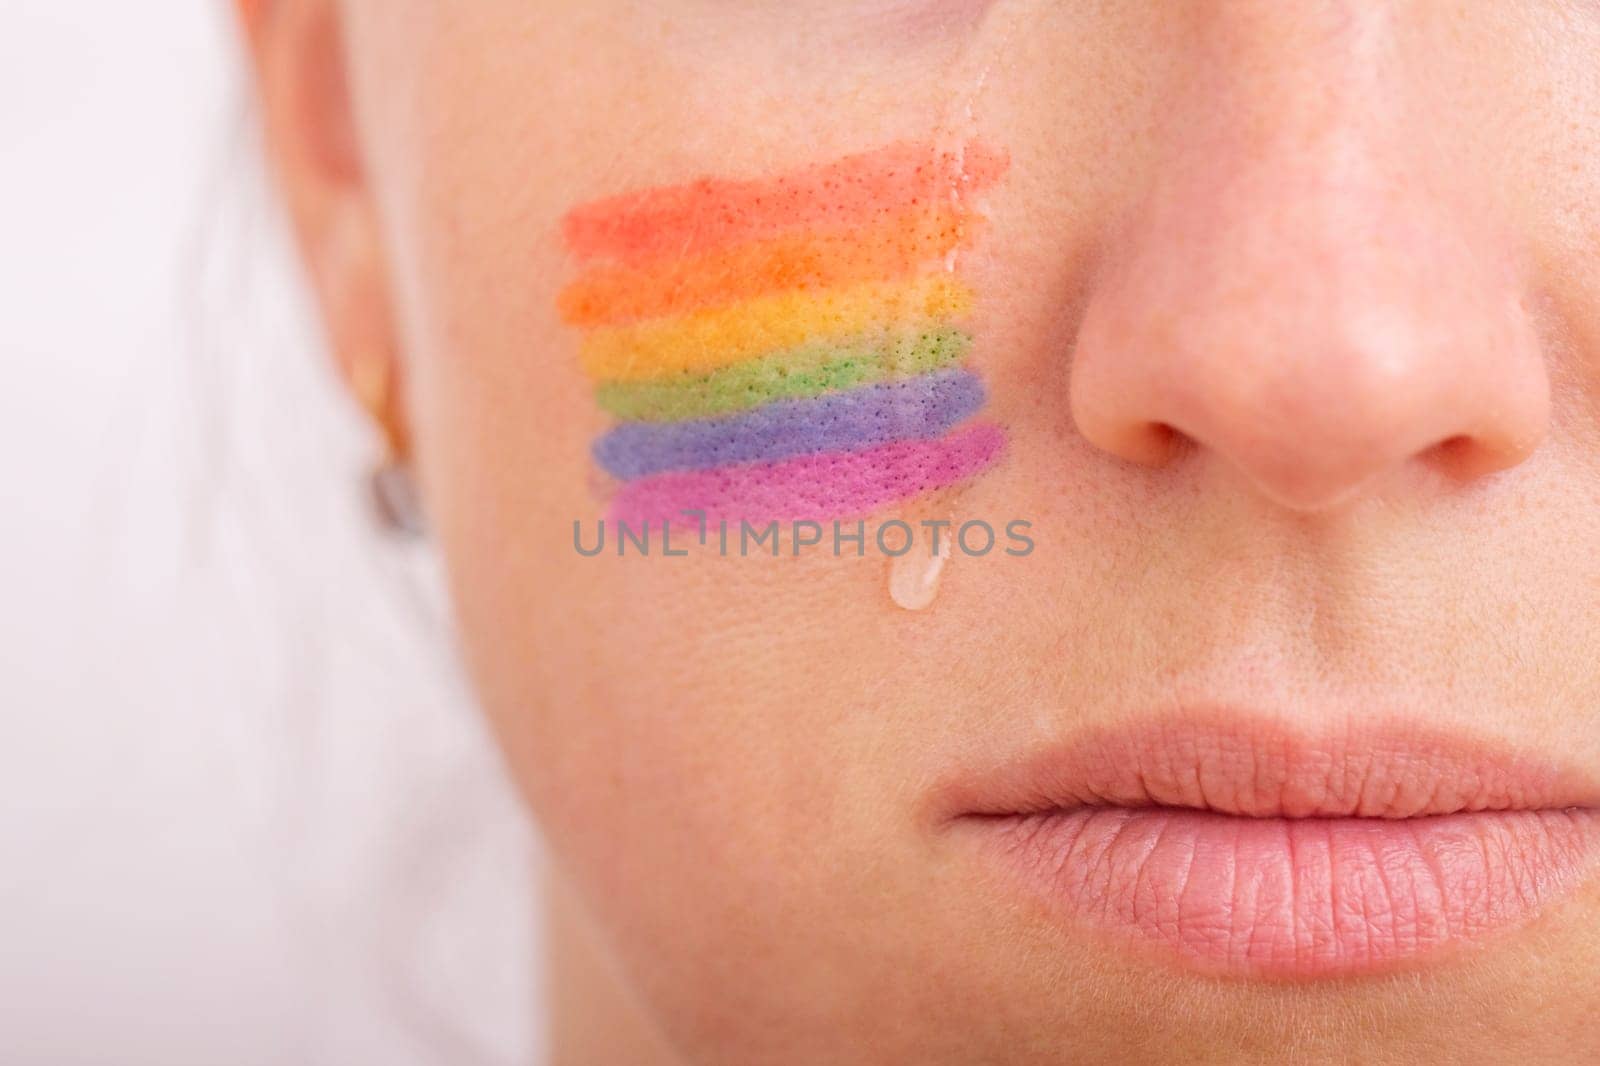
1306	897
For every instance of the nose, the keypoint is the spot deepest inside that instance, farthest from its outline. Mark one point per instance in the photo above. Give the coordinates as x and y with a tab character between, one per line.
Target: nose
1308	291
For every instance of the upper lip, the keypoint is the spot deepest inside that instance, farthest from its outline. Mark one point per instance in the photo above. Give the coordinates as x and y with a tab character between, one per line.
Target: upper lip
1256	766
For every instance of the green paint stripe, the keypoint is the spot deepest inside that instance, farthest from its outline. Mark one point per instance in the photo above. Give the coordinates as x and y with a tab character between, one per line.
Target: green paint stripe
787	375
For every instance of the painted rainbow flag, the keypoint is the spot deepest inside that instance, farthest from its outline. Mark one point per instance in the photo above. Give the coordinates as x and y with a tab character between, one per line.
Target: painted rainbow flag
789	347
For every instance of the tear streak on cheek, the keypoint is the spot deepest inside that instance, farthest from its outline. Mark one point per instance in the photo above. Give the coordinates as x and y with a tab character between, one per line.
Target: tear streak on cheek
790	347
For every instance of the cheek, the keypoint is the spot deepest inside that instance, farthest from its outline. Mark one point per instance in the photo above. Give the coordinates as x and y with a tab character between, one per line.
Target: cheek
796	347
786	348
697	721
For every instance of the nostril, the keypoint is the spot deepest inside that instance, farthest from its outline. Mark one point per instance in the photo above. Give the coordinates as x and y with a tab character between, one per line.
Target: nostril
1466	456
1146	443
1457	455
1170	440
1154	443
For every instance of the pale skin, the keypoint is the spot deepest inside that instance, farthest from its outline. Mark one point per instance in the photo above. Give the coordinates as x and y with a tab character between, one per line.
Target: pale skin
1291	312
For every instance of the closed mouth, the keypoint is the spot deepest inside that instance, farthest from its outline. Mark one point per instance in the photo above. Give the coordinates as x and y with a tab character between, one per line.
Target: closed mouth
1247	849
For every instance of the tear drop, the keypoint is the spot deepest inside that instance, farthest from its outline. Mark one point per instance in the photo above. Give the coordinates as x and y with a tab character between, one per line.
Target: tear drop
914	576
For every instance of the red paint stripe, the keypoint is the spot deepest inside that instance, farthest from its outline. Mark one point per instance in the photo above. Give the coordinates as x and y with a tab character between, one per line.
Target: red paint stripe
683	220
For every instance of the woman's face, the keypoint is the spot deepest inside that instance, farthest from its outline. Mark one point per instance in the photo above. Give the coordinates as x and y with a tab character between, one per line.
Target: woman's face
1274	322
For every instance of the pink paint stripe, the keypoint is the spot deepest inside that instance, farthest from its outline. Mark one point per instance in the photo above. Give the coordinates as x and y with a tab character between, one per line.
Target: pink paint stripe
830	485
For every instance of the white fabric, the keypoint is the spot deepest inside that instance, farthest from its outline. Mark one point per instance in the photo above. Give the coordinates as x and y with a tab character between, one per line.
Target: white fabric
246	812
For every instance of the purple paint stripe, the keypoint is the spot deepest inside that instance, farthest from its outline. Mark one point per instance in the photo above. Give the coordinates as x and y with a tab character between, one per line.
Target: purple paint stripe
832	485
915	408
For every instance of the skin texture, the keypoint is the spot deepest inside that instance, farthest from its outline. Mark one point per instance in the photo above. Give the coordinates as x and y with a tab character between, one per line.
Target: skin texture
1289	310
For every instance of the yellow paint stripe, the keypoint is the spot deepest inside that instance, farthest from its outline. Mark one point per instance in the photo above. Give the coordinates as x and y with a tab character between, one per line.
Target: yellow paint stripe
719	337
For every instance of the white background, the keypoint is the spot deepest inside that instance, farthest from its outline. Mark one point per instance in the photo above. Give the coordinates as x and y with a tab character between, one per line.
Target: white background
246	813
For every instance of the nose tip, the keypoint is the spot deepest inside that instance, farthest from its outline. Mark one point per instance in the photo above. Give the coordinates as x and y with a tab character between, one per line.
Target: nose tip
1306	284
1317	333
1312	399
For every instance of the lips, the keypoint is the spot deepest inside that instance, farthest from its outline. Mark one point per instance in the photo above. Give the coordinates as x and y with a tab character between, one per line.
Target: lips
1246	848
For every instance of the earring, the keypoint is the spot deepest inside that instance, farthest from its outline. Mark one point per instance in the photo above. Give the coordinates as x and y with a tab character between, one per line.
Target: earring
394	499
391	489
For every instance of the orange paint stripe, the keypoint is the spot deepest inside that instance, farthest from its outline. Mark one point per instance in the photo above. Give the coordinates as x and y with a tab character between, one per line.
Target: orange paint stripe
797	261
687	220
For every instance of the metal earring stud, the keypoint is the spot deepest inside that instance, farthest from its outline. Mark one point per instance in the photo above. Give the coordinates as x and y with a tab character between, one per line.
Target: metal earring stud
391	488
394	498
